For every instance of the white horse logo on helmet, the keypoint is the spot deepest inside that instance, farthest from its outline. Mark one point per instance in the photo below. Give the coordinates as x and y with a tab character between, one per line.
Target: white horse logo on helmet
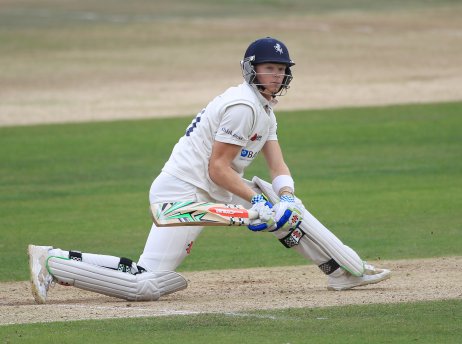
278	48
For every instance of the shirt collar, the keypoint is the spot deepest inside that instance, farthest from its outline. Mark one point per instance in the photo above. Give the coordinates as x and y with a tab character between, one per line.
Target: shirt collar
267	104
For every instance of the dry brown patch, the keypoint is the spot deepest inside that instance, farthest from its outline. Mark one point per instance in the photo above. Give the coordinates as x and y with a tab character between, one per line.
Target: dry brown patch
239	291
343	59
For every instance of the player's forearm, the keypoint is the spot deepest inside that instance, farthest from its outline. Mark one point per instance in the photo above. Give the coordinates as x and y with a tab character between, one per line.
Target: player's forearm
278	170
275	160
228	179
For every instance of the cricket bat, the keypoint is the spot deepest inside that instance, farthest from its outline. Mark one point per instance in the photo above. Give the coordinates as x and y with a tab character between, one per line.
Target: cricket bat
200	214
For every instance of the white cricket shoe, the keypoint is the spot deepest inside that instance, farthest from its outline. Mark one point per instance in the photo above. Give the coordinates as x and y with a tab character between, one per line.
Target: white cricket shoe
40	278
344	280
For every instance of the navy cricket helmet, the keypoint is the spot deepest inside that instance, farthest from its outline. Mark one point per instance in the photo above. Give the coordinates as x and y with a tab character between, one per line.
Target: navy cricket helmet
266	50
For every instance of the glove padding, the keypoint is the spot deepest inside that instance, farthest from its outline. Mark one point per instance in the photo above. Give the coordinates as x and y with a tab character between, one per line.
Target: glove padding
288	215
265	220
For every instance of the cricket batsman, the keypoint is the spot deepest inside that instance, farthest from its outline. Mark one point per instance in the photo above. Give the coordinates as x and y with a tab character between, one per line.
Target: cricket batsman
207	165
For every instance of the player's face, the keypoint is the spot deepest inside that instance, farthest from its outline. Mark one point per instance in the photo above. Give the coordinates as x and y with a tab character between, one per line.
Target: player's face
270	76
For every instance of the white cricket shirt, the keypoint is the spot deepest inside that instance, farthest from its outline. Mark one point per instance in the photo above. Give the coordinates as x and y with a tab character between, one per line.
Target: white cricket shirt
240	116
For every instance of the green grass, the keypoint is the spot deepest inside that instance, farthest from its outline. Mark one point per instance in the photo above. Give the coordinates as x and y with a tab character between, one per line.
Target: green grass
426	322
386	180
49	13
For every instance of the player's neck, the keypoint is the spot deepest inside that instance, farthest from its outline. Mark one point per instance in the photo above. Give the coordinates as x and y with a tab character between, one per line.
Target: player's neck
268	96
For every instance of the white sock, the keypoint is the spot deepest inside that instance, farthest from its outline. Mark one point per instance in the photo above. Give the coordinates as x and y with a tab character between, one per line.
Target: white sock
90	258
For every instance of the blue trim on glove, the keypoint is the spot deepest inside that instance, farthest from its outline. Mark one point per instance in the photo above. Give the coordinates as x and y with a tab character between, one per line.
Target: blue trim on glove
258	228
283	220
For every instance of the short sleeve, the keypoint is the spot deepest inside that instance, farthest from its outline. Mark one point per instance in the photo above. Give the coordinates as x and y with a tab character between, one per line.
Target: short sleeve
273	136
236	125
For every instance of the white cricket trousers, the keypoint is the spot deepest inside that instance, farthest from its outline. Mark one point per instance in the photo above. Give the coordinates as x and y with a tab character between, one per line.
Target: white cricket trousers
167	247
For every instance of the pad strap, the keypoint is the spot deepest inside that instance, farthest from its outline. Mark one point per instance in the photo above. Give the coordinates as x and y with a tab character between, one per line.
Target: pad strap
329	267
75	255
125	265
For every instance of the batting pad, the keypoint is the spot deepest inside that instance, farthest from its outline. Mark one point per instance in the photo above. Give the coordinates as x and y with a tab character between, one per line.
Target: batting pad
320	236
146	286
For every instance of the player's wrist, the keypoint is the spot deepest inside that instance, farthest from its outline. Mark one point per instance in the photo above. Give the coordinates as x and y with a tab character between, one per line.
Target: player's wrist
283	185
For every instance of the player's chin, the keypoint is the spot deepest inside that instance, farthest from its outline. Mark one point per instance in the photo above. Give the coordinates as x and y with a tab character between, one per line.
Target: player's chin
274	88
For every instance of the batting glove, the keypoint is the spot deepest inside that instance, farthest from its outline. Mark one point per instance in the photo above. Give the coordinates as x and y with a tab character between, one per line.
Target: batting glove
287	198
287	213
265	220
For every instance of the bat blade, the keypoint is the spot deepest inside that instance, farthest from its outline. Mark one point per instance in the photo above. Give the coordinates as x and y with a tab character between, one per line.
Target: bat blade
172	214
